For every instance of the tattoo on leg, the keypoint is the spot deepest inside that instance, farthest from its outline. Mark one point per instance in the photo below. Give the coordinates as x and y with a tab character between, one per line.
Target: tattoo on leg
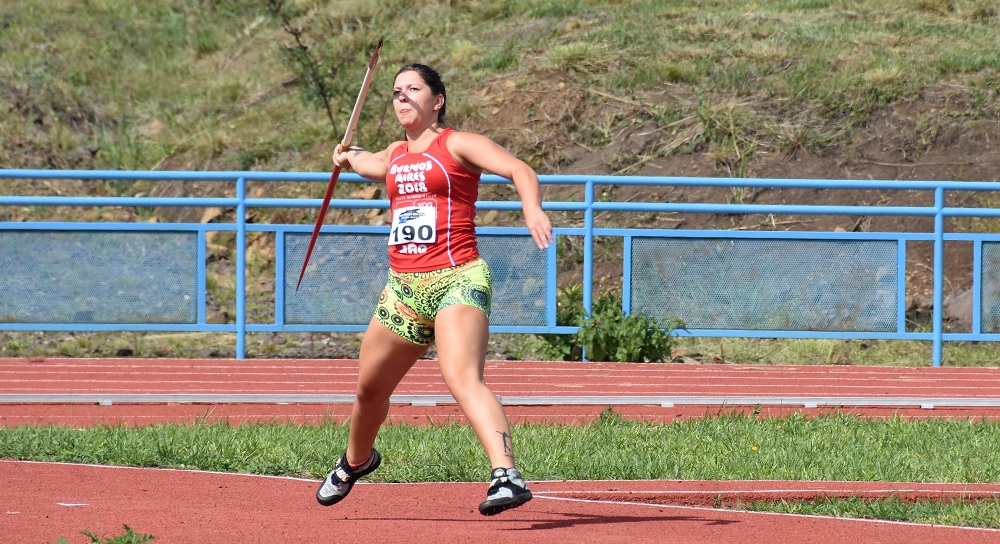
508	446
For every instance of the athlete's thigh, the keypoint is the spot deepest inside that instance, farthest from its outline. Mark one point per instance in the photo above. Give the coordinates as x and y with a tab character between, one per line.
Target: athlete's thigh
384	360
461	335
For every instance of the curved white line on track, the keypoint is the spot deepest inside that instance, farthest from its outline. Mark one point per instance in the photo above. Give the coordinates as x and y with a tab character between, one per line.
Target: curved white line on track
162	469
713	492
736	511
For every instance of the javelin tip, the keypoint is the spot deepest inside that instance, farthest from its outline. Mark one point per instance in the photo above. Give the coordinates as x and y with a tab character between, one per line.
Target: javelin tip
378	49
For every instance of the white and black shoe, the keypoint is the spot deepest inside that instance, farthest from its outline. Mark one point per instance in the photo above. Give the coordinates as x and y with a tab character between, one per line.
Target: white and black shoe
340	480
507	490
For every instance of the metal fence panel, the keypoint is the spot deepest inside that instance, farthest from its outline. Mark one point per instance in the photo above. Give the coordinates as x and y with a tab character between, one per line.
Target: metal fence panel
519	280
348	271
720	283
345	276
991	287
98	277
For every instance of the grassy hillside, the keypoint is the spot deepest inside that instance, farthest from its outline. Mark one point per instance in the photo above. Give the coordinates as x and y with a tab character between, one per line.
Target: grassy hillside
204	85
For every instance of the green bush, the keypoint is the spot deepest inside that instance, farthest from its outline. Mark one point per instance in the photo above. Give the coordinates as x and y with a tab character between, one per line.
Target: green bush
607	334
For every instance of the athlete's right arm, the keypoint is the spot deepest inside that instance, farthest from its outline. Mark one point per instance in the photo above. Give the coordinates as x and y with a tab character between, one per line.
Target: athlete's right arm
373	166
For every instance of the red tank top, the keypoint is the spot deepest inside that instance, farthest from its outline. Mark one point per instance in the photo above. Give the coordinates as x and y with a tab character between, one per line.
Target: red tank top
433	203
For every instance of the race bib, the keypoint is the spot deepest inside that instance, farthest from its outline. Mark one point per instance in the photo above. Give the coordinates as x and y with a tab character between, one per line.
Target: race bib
413	225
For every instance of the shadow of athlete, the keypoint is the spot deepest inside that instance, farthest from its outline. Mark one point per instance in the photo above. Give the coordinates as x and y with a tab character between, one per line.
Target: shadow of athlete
439	289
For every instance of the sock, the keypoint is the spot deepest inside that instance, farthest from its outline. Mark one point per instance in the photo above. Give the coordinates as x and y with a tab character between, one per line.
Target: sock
352	465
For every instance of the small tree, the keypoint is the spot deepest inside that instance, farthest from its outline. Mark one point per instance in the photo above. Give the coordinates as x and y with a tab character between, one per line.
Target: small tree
308	67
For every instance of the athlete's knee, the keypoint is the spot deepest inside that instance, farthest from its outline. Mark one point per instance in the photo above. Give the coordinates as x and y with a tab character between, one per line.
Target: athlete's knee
372	394
463	383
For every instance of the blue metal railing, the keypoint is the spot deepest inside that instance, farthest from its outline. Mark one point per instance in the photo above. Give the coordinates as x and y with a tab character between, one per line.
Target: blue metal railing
589	207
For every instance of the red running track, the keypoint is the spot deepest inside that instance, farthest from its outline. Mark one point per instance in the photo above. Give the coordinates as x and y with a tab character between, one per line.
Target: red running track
87	391
507	378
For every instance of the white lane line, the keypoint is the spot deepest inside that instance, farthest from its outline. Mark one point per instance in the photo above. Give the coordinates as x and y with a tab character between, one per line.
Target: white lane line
783	514
159	469
507	400
715	492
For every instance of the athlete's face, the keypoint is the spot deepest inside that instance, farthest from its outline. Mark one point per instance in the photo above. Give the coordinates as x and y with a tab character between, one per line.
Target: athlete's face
415	104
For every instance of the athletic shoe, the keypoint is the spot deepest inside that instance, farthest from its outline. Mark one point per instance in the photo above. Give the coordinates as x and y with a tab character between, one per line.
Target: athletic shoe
507	490
340	480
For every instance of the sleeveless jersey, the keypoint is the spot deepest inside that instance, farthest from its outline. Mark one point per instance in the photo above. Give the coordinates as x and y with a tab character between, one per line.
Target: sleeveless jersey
433	203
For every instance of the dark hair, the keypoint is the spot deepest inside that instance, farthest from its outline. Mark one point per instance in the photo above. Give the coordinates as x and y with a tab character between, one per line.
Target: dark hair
432	79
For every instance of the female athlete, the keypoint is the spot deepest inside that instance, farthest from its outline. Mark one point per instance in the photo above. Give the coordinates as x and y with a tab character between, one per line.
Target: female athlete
439	289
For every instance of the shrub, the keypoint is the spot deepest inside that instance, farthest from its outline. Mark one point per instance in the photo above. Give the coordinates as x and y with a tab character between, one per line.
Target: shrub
607	334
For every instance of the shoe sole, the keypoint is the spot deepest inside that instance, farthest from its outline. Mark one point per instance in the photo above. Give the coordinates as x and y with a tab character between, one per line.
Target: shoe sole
492	509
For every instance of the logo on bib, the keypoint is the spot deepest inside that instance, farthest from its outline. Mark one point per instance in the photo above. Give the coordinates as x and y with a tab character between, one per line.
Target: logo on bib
409	215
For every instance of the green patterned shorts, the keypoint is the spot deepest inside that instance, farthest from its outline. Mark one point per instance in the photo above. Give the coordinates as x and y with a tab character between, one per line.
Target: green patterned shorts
411	300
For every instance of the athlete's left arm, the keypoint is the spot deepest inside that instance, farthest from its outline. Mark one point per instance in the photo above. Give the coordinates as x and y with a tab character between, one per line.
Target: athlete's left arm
484	154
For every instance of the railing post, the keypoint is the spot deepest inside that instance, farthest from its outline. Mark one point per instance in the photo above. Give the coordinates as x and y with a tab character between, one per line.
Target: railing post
241	272
977	287
588	250
938	274
588	254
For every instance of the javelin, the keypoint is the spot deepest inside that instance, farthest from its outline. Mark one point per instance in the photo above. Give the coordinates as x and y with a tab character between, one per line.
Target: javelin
336	169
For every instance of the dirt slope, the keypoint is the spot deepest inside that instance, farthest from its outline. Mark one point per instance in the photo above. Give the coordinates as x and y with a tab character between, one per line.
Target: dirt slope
930	138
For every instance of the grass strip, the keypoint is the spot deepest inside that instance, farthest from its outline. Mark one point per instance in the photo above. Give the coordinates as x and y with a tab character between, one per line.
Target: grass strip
983	513
724	446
